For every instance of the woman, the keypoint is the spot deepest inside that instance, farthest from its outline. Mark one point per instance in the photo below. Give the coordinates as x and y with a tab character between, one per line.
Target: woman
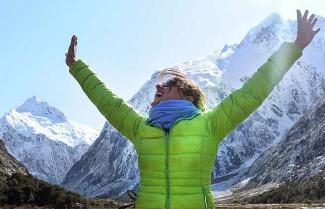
177	144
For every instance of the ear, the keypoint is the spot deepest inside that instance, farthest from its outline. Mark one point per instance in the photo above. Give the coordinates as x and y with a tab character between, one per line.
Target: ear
190	98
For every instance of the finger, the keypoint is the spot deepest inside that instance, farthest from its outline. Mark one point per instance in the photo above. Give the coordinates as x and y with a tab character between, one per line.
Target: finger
314	22
298	15
74	39
316	31
71	50
310	19
305	15
68	55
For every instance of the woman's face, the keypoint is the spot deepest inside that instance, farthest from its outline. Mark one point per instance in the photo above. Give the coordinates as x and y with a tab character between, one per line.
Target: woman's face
165	91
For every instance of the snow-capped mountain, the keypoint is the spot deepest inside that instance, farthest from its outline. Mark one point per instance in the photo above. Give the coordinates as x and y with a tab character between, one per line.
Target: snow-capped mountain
110	173
301	86
44	140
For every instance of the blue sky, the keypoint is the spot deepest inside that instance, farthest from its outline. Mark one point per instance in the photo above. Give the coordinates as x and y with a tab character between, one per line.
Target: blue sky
123	41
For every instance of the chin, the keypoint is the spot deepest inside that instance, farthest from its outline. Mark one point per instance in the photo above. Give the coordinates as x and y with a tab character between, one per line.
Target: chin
155	102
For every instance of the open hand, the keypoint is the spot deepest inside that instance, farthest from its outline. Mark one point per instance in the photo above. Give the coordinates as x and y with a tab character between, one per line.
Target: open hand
305	32
71	55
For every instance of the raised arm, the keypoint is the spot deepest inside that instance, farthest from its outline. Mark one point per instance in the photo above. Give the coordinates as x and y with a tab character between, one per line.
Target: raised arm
237	106
120	115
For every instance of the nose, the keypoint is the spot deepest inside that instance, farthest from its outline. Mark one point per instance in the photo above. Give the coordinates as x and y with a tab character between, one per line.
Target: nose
158	86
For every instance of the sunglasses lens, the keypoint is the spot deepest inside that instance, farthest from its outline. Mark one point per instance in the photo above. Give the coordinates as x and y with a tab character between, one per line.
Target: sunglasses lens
168	83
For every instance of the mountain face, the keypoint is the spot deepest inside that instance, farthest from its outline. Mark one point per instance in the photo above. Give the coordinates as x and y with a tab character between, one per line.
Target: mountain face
113	168
105	173
44	140
8	164
301	86
298	156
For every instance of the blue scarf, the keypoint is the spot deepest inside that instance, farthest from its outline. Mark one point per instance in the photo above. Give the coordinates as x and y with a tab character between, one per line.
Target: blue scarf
165	113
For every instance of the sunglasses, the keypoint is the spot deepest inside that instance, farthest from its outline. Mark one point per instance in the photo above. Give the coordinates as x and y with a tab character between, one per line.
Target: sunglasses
169	83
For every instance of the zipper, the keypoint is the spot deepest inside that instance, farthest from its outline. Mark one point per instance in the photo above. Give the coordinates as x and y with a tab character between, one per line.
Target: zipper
205	198
167	133
167	203
167	146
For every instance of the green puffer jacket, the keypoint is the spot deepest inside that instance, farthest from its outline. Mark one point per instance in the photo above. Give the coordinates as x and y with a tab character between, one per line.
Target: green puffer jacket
175	167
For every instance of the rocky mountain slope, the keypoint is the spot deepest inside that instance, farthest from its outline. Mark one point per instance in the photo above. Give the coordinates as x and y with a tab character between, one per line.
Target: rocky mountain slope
298	156
8	164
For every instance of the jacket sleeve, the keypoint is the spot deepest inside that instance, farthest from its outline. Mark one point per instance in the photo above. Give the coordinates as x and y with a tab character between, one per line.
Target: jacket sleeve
237	106
119	114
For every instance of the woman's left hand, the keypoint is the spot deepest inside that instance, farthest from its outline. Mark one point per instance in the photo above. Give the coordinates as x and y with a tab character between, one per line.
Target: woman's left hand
305	32
71	55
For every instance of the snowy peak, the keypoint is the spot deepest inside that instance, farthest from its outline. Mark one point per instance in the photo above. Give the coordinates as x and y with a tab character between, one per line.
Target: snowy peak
273	19
44	140
270	32
38	117
239	61
274	30
40	108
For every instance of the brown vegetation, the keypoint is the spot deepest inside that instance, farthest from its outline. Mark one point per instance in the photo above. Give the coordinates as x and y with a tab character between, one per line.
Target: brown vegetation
309	191
19	189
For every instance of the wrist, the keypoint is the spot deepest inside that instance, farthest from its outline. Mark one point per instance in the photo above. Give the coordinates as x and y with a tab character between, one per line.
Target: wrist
71	62
299	44
76	66
69	59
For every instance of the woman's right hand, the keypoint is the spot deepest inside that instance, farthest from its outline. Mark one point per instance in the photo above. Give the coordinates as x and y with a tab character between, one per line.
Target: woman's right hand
71	55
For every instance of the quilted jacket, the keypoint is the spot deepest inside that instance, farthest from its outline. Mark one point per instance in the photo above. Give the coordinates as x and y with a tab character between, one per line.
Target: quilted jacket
175	166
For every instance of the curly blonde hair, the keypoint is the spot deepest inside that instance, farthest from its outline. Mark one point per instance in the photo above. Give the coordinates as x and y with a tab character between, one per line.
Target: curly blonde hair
187	87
